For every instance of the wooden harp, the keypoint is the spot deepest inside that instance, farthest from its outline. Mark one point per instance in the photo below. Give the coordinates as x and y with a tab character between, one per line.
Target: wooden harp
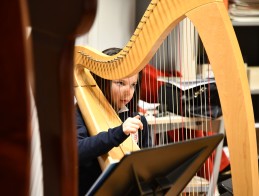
53	35
211	20
89	98
15	100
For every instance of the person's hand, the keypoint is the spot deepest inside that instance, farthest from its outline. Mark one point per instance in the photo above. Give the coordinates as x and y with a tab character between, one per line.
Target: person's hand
132	125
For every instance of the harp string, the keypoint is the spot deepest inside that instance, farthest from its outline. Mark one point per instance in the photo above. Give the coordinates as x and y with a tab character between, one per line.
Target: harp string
177	47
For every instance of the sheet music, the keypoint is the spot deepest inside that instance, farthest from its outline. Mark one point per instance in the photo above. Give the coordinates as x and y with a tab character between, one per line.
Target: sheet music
148	106
185	85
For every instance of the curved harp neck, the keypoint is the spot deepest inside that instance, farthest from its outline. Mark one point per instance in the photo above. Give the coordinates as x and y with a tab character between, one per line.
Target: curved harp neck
157	22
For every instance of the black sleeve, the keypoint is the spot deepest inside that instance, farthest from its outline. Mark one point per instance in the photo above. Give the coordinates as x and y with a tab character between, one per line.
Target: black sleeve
145	137
90	147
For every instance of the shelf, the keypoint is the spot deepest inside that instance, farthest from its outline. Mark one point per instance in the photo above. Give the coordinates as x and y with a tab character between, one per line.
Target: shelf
254	91
237	23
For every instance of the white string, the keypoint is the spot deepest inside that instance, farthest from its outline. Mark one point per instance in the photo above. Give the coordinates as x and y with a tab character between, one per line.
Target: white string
36	173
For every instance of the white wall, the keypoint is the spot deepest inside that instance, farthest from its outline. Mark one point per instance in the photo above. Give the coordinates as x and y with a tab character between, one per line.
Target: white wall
113	26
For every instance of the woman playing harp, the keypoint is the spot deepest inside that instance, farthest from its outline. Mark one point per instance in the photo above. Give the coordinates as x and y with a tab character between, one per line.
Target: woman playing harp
123	95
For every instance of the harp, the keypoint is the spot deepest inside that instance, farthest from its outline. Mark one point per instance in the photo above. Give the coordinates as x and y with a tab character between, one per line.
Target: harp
15	101
19	69
211	20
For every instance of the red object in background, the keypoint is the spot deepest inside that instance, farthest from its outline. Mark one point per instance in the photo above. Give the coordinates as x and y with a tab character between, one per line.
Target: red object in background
150	84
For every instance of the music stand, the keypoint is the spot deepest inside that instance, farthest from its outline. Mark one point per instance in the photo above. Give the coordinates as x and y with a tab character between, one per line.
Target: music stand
154	171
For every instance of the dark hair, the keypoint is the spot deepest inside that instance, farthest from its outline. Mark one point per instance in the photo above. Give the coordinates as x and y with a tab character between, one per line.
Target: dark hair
112	51
105	85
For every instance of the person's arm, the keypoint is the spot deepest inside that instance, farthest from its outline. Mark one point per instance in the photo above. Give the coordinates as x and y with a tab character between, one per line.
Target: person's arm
90	147
144	135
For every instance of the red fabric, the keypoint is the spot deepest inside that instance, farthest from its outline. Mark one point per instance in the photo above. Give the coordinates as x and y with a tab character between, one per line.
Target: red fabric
207	168
149	83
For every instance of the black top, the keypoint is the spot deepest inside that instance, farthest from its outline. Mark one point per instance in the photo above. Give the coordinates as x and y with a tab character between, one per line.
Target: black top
89	148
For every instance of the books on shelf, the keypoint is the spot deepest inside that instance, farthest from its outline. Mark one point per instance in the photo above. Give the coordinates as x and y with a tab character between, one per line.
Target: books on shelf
253	79
244	11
